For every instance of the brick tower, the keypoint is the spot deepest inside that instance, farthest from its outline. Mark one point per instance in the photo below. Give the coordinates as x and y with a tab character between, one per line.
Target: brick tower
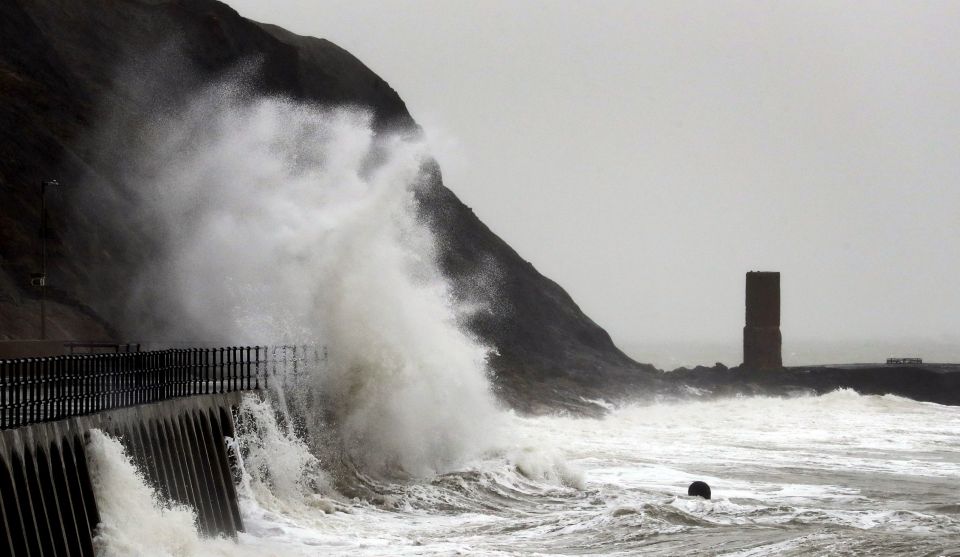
761	335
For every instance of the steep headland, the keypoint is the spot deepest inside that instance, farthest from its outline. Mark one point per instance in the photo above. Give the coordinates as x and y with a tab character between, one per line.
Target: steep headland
68	70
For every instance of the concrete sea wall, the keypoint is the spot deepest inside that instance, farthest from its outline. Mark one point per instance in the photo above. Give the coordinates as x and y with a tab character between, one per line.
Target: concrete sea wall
48	505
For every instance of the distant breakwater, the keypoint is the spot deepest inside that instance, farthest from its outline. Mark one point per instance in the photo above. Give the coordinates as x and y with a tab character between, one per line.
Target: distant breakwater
939	383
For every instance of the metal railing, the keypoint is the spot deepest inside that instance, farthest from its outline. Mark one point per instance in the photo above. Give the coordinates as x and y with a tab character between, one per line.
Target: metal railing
34	390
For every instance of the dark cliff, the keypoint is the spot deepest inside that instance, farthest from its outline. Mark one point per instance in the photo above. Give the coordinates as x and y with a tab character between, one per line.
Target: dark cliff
59	68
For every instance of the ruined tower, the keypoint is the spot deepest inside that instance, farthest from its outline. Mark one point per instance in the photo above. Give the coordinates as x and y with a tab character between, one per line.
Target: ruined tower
761	334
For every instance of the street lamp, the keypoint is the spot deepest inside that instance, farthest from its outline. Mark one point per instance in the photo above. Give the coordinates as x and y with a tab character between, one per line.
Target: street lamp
40	279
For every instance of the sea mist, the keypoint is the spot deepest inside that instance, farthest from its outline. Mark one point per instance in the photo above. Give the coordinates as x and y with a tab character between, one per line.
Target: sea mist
276	222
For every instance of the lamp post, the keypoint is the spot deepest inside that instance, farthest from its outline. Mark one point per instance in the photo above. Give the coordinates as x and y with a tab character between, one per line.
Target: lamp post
40	279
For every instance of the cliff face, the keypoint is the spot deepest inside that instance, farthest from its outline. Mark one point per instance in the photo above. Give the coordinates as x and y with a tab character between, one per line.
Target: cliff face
59	68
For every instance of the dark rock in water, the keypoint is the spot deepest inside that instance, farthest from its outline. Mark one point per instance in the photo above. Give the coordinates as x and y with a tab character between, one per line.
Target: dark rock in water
65	69
700	489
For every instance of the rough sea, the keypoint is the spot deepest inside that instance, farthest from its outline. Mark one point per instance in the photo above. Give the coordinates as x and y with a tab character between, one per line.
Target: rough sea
840	474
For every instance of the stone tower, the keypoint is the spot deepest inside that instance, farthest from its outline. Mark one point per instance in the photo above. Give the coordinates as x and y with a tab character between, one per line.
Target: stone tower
761	335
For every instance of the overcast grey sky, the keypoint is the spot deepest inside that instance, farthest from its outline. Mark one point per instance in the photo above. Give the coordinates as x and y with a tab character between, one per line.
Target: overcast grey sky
646	154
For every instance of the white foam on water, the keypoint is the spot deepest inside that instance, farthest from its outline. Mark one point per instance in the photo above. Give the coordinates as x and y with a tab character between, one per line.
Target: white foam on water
134	519
631	487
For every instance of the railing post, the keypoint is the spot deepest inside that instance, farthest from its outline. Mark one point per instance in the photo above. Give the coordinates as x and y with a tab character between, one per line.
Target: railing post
98	381
30	390
130	371
79	404
173	378
174	372
111	362
226	358
64	374
18	394
218	355
148	370
181	374
214	383
90	383
5	366
195	371
187	368
43	372
35	375
250	367
208	357
52	388
34	391
148	388
13	384
139	379
55	388
40	372
242	358
107	365
204	371
93	382
76	365
162	375
93	388
66	370
198	383
140	371
157	371
211	357
121	379
234	368
168	373
113	379
144	369
70	382
256	378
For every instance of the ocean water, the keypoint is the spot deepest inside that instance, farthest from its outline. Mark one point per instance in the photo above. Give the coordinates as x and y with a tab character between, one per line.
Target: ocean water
840	474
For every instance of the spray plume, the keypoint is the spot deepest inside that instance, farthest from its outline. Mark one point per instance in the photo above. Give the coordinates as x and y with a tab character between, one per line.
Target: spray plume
279	222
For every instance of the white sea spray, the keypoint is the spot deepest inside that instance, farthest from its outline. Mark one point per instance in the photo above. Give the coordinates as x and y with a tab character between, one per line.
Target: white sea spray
285	223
